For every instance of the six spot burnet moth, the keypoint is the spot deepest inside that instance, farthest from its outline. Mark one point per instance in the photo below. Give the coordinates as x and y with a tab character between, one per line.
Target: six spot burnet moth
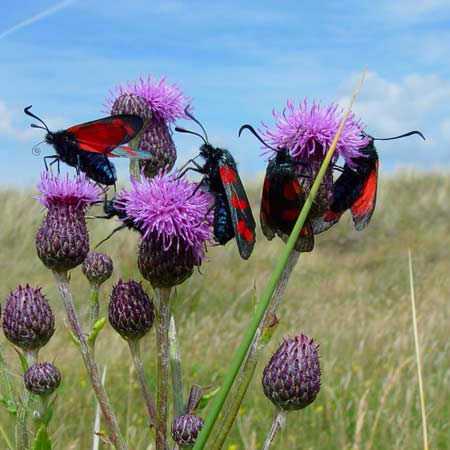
356	189
283	197
87	146
233	217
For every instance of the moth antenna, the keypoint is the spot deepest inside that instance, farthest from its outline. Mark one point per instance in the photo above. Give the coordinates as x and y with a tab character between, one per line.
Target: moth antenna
260	139
191	116
28	113
33	125
410	133
183	130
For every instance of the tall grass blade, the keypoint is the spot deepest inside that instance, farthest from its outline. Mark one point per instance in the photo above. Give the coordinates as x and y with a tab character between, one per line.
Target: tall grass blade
418	361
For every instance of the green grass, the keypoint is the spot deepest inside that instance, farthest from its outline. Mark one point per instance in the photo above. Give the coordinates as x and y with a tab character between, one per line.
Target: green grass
351	295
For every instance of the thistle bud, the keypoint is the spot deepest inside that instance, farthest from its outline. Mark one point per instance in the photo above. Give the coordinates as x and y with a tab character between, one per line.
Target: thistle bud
97	267
185	429
291	380
131	312
28	320
42	379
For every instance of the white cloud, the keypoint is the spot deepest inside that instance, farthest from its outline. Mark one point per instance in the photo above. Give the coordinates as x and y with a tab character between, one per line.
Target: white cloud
416	101
389	106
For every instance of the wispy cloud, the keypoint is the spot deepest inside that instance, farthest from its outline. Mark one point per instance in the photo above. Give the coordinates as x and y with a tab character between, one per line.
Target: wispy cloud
42	15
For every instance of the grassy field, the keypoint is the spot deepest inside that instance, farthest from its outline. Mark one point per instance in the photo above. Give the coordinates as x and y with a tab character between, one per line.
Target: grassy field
351	295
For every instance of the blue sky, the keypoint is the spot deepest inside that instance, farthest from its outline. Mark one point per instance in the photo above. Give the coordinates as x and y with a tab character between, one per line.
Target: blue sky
238	60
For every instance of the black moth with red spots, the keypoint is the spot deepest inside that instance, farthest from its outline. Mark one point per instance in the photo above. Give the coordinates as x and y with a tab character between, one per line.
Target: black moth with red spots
282	200
233	217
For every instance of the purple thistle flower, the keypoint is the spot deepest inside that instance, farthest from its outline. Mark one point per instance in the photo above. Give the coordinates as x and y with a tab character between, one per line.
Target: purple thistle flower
165	100
309	131
60	190
174	219
62	241
159	104
172	209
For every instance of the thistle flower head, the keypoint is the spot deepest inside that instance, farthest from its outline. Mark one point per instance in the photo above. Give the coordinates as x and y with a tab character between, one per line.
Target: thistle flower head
131	312
172	215
185	429
28	320
42	378
171	210
291	379
62	241
59	190
97	267
308	131
159	103
165	100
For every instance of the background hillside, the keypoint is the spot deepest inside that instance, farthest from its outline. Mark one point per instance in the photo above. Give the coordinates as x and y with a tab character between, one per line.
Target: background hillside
351	294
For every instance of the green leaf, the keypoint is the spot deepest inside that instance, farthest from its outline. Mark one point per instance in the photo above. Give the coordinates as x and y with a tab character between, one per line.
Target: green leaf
96	328
42	440
207	397
23	360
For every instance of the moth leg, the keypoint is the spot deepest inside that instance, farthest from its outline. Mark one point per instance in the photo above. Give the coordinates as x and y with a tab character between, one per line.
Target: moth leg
53	157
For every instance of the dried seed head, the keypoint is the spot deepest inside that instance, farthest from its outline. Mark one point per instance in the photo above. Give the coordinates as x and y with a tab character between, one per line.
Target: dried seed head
291	380
42	379
97	267
28	320
131	312
185	429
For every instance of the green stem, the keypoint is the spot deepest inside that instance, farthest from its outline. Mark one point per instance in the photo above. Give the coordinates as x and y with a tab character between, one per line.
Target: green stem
267	295
279	421
145	390
175	369
162	343
22	431
135	170
262	337
87	354
94	304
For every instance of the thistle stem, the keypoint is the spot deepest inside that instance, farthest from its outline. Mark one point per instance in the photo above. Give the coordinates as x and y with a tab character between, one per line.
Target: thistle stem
267	295
262	337
135	171
145	390
22	431
279	421
62	283
162	343
175	369
94	305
